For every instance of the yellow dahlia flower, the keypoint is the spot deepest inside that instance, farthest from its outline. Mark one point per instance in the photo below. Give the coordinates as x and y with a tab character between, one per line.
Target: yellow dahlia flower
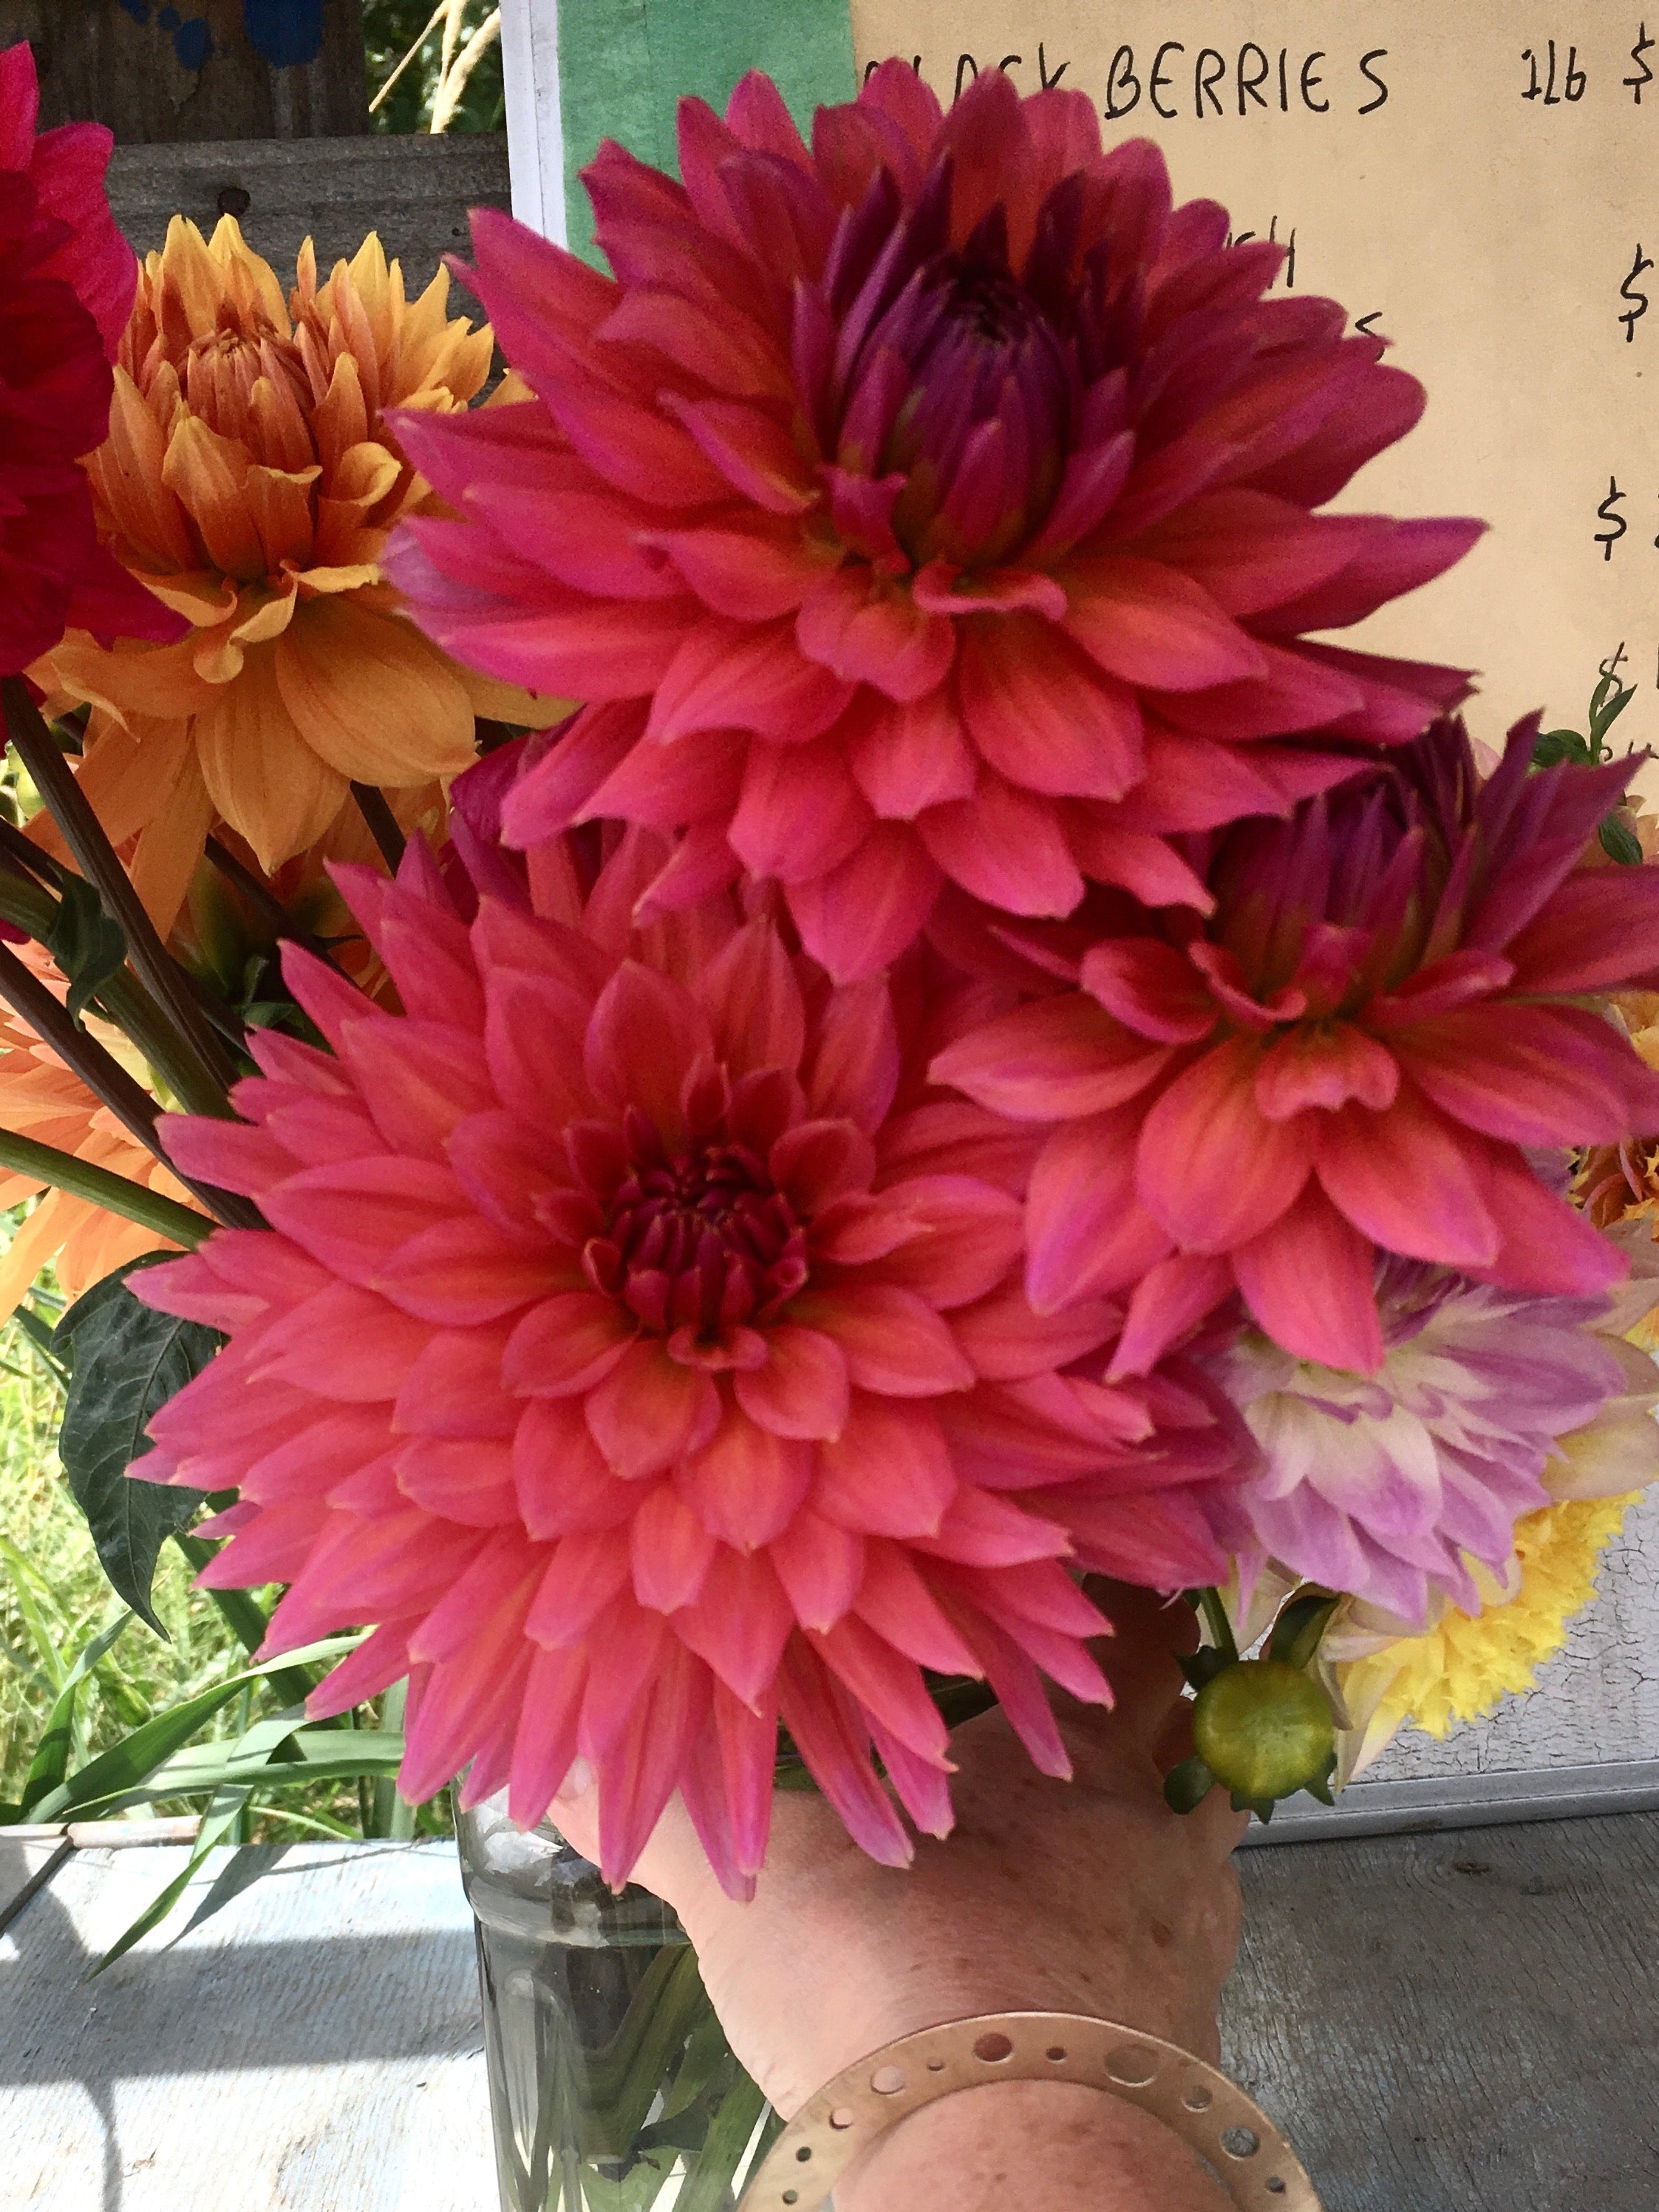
1463	1666
250	481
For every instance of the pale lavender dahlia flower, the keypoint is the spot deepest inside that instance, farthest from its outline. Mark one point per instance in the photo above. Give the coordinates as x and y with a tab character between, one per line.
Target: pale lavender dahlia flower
1382	1484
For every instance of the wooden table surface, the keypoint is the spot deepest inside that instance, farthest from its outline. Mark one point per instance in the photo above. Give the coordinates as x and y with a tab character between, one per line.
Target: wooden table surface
1456	2022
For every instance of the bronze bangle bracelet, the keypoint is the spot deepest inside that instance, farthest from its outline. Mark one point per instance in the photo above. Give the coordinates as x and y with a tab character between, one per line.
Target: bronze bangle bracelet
1210	2113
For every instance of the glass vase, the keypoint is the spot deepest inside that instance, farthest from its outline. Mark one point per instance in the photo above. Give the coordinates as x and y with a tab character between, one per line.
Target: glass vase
612	2087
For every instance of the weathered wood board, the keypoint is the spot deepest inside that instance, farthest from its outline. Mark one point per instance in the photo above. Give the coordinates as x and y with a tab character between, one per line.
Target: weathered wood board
1459	2023
415	191
1443	2024
316	2047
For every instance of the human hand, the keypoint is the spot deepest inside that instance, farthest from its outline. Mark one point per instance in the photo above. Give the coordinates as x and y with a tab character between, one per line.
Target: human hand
1084	1896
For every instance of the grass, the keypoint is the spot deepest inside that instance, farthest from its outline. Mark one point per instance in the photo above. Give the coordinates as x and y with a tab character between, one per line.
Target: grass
54	1598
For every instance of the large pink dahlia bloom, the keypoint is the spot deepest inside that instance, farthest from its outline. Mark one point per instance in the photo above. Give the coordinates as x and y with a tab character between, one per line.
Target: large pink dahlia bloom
936	503
639	1342
67	278
1353	1055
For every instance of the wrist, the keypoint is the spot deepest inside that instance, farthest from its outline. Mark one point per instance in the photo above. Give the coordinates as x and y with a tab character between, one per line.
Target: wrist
1053	2143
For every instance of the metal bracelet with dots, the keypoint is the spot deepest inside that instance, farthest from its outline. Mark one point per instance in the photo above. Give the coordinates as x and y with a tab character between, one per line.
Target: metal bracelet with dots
1211	2114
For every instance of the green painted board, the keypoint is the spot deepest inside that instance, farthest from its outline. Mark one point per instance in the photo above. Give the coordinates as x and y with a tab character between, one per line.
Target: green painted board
623	65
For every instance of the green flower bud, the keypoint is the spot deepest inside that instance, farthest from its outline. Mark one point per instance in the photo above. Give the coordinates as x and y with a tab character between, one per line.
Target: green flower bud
1264	1729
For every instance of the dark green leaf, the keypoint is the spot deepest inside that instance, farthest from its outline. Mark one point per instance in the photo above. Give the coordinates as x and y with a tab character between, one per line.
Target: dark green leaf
1555	745
1619	842
1187	1786
1203	1665
85	943
1299	1626
126	1361
226	1806
1607	703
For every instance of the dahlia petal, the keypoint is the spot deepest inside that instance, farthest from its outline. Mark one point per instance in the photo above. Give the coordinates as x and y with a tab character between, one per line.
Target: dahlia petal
647	1411
864	913
627	1647
754	454
532	1038
752	574
1004	846
921	1787
551	794
1171	1299
895	1601
980	1529
460	1272
905	756
451	1391
727	675
586	1573
353	1214
1051	1061
1546	1245
1325	1067
1143	865
867	630
1149	624
1042	716
486	1606
1398	557
467	1481
740	1624
1209	1164
1019	1693
565	1343
564	1487
381	1660
1150	987
1087	1233
885	1686
887	1473
672	1552
753	1002
640	1776
643	1035
544	1744
342	1343
1531	1075
969	1237
745	1483
895	1342
833	1740
802	1390
854	1072
1600	929
228	1153
1307	1281
1410	1179
799	814
820	1566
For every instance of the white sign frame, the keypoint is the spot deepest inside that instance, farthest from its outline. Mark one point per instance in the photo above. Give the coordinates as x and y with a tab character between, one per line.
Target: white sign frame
535	129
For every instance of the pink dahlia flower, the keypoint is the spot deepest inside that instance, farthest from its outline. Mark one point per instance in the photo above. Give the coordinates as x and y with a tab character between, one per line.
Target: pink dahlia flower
1351	1054
639	1343
1387	1485
67	278
934	504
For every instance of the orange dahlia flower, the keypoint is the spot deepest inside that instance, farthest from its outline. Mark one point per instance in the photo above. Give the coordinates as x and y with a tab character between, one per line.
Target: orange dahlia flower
42	1098
250	481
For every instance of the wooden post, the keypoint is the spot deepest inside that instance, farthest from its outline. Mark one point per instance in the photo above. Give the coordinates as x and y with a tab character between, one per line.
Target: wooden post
159	73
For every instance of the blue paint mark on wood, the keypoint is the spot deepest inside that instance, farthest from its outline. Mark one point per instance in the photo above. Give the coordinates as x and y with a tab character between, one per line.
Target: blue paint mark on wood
287	33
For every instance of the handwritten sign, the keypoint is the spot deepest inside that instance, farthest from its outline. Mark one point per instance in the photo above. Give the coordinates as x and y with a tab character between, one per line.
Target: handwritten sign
1479	182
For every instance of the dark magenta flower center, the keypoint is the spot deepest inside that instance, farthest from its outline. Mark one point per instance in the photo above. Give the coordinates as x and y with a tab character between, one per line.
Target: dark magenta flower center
981	430
701	1239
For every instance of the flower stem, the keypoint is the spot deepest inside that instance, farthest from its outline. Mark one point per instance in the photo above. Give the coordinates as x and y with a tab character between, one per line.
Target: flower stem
382	823
101	865
150	1209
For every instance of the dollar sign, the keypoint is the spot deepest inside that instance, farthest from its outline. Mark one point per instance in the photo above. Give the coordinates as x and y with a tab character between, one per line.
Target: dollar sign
1606	539
1642	43
1638	298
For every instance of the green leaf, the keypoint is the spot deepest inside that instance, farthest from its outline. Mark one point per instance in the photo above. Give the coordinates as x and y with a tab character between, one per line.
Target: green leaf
226	1805
128	1767
51	1754
1203	1665
126	1362
1607	703
1299	1626
1187	1786
1619	842
1552	746
85	943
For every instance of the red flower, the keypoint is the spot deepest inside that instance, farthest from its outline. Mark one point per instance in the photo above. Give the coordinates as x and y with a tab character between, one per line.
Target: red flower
66	284
1351	1056
934	504
639	1342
